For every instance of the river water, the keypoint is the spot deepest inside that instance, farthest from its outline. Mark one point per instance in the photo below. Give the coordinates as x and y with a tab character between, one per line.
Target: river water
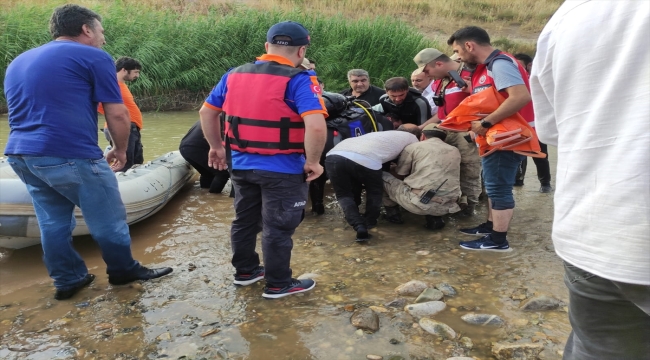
196	313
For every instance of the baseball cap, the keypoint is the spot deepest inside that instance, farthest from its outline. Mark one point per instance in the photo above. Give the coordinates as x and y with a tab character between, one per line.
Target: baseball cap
305	64
426	56
295	31
432	127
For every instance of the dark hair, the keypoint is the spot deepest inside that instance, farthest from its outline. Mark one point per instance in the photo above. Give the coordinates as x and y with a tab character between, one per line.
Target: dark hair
396	84
67	20
410	129
470	33
435	133
127	63
312	61
525	58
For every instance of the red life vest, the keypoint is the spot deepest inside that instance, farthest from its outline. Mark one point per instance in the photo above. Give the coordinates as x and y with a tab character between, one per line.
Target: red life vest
453	95
481	80
258	120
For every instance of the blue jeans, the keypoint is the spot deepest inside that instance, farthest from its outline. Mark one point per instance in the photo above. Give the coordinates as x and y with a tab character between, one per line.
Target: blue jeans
56	186
499	172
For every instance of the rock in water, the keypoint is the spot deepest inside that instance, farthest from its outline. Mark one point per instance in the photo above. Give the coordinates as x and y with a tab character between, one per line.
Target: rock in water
446	289
437	328
460	358
429	294
483	319
374	357
397	303
365	319
411	288
466	343
525	351
541	303
425	309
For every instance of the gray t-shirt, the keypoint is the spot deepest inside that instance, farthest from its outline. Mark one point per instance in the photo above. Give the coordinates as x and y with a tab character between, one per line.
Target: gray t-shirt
373	149
505	74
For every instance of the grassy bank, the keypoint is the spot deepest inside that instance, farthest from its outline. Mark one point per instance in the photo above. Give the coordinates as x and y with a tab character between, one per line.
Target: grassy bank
186	45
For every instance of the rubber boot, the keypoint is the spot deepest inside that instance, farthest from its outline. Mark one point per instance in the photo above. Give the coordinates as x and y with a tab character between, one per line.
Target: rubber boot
434	222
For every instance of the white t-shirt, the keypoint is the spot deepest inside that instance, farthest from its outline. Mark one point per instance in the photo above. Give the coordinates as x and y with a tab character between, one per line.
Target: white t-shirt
428	94
591	92
373	149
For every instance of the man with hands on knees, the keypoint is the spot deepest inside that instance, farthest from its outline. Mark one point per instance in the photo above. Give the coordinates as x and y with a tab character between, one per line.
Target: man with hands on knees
275	134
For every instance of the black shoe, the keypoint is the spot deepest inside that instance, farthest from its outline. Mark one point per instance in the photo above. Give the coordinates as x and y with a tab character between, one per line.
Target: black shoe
66	294
362	234
142	273
318	209
434	222
519	183
393	215
296	287
545	189
482	229
247	279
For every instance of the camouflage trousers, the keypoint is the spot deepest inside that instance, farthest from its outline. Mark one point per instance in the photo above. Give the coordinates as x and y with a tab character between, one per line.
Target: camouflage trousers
396	192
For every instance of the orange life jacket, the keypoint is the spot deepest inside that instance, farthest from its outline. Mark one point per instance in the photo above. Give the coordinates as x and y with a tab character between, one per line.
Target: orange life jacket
258	120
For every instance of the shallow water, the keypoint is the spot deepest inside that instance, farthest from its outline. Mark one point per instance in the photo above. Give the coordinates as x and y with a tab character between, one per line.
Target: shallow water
197	312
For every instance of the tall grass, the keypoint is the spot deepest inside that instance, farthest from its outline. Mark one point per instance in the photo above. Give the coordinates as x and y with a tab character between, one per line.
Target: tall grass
186	52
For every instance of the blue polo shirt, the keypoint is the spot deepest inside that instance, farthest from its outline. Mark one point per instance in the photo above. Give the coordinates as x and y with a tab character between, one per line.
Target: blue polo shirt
303	95
52	93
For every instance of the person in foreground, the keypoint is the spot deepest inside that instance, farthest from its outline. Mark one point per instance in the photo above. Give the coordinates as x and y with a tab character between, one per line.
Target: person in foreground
494	68
52	94
601	224
275	144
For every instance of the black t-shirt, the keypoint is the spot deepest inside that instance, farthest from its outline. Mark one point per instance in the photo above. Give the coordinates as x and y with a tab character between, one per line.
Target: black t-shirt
195	138
414	110
371	95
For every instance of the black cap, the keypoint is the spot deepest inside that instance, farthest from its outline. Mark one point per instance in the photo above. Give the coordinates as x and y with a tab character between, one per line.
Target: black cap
298	34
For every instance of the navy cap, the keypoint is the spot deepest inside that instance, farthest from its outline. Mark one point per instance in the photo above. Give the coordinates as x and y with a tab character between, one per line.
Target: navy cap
298	34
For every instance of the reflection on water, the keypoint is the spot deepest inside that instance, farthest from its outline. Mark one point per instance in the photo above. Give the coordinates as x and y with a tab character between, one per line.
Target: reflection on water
197	312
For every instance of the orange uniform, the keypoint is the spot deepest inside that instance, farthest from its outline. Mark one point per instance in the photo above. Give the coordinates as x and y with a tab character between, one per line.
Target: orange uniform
134	111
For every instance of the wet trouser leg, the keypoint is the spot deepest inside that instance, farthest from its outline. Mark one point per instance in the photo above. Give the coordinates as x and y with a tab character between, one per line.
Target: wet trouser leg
543	166
343	175
210	178
279	201
56	186
610	319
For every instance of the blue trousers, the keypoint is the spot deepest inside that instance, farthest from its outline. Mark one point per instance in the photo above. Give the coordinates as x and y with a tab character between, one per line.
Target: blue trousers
57	185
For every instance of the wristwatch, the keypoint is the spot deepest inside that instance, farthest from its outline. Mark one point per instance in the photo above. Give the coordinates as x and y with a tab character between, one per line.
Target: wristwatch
486	124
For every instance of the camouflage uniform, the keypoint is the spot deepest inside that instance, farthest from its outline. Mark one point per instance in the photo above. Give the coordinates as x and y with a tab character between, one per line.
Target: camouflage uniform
470	165
426	165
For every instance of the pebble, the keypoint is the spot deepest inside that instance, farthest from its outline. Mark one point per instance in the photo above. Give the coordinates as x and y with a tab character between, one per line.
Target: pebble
334	298
164	337
446	289
359	332
429	294
374	357
482	319
411	288
466	343
349	307
460	358
425	309
521	351
422	252
378	309
365	319
541	303
397	303
519	294
437	328
394	341
520	322
103	326
82	304
210	332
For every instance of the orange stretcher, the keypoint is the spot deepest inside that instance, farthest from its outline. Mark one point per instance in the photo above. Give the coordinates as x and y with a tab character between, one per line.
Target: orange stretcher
512	133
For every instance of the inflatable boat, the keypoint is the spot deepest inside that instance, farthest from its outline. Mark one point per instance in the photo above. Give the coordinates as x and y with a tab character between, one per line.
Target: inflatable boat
145	189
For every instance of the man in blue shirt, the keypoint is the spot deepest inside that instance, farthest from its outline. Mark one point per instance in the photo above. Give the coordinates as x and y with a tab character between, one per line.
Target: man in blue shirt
52	94
275	130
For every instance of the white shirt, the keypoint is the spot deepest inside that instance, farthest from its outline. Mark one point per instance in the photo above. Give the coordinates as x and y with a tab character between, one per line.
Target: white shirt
428	94
591	92
373	149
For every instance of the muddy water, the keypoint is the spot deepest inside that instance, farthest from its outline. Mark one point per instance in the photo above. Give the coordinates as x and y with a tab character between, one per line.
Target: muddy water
196	313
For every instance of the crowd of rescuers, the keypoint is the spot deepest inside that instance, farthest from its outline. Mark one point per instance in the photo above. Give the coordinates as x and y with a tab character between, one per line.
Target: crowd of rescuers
407	164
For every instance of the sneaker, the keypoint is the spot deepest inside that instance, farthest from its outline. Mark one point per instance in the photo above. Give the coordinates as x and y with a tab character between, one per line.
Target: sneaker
519	183
545	189
66	294
485	243
296	287
247	279
141	273
482	229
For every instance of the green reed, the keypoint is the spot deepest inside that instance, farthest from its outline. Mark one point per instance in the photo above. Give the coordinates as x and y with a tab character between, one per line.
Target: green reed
189	52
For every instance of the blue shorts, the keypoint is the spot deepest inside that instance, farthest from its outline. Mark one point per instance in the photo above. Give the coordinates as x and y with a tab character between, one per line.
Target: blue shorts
499	172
